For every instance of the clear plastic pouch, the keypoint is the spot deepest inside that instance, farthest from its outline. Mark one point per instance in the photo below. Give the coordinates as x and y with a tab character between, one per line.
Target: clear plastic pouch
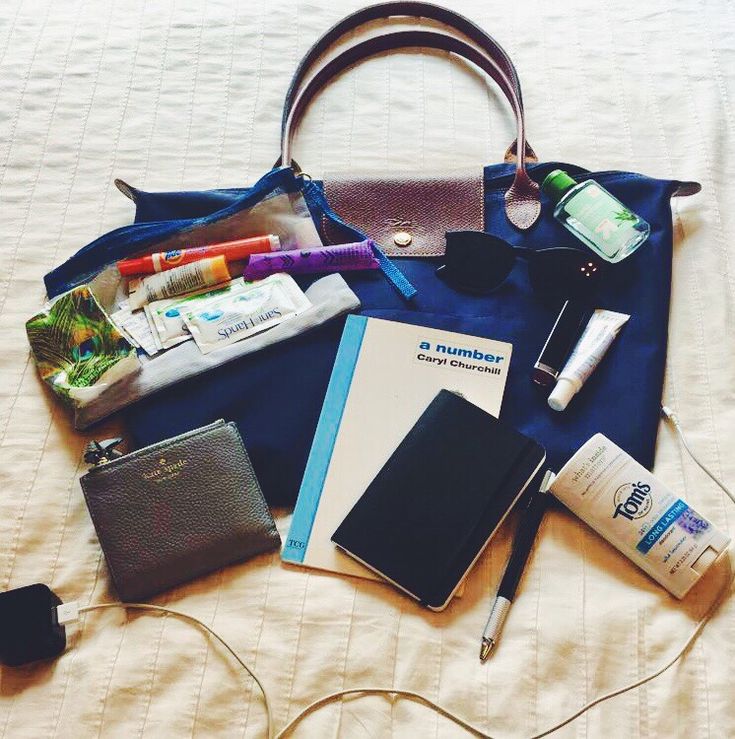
275	205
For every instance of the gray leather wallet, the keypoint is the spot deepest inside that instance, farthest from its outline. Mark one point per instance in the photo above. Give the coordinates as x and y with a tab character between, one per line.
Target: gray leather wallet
178	509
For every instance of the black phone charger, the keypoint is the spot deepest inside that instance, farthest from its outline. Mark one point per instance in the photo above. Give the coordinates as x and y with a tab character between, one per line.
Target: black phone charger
29	627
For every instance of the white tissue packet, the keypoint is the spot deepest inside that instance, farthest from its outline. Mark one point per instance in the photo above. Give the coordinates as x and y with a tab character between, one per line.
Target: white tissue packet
247	309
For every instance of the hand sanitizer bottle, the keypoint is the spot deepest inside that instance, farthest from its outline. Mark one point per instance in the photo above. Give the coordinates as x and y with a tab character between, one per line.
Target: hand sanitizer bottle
595	216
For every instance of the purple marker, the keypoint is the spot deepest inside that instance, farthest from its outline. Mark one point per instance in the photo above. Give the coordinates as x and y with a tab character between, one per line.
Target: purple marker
340	258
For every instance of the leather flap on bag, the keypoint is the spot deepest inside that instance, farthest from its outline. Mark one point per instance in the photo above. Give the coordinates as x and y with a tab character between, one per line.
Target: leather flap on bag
406	215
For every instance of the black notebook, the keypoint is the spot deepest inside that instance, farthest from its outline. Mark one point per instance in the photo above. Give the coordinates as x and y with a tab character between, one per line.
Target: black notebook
430	511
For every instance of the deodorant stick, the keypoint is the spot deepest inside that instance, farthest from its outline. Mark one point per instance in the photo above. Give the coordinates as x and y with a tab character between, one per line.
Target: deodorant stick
622	501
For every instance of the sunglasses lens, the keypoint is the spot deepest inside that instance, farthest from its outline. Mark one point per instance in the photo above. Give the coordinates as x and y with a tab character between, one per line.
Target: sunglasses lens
476	261
564	272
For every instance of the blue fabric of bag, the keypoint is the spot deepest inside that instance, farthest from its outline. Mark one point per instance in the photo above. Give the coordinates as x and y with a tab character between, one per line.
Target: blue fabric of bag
275	396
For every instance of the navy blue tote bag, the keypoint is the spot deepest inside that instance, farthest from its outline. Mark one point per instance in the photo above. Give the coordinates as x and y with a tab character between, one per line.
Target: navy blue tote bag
275	395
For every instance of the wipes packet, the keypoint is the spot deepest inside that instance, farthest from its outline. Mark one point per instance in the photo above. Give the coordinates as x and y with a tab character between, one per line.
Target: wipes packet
166	316
135	327
243	311
166	330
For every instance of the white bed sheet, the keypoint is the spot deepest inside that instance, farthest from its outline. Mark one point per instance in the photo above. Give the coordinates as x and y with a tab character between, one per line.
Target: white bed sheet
179	94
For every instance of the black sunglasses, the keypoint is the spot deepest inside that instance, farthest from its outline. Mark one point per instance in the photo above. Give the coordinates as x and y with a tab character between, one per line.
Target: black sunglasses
480	262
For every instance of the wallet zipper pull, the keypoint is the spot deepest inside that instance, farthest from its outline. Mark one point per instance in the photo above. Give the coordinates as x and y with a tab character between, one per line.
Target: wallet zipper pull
97	453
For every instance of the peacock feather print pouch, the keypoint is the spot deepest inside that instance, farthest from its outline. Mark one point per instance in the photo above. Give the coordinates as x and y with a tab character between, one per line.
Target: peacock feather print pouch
78	351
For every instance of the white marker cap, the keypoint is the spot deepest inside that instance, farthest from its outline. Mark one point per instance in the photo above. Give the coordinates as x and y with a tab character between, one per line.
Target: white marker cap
560	396
275	242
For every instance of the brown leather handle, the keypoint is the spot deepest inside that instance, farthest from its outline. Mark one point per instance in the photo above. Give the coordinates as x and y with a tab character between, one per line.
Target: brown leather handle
522	199
414	9
395	9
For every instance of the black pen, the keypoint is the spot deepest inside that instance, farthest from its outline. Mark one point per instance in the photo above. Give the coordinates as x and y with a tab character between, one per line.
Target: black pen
522	544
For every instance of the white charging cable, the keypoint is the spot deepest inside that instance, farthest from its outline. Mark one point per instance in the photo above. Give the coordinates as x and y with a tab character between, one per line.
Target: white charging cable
670	416
69	612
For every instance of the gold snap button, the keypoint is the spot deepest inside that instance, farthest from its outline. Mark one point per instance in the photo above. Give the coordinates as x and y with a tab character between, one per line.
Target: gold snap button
402	238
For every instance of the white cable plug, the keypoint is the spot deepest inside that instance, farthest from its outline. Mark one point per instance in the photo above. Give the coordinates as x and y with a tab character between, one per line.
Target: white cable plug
669	414
67	613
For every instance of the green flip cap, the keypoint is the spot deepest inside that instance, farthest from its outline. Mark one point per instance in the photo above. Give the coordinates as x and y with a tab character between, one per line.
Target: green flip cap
557	182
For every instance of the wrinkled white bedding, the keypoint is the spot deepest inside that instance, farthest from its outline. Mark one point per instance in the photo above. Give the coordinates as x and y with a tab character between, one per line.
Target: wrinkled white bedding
180	94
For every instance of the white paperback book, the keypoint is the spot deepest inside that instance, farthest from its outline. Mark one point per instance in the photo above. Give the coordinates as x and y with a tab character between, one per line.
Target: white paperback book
385	375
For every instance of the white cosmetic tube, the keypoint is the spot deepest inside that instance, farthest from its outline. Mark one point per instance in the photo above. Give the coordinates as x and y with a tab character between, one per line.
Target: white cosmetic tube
600	332
179	280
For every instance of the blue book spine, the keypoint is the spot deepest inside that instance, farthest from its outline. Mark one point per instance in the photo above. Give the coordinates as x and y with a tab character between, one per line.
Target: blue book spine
320	456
